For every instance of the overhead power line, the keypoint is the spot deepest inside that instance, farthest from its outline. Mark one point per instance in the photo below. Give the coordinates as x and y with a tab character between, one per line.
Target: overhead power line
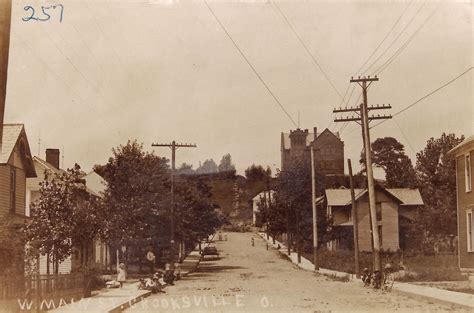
368	59
382	67
385	38
396	38
311	55
429	94
250	65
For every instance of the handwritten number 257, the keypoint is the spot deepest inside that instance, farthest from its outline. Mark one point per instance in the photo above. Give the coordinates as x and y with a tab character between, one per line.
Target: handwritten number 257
44	10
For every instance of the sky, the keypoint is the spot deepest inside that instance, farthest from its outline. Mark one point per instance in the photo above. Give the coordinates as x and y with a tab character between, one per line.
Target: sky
157	71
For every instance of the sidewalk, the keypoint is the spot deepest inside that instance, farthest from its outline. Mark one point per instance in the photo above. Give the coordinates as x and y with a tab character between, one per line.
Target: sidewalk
116	300
433	294
305	263
190	263
111	300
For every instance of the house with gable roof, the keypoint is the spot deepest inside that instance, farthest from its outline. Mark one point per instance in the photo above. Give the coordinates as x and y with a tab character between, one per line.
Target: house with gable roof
97	253
16	165
395	208
263	196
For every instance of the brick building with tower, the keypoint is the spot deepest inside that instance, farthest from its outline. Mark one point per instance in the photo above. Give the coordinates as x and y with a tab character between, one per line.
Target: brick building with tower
327	146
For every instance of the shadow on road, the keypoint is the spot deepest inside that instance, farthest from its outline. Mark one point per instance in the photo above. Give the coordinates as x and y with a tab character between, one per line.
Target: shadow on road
216	268
209	269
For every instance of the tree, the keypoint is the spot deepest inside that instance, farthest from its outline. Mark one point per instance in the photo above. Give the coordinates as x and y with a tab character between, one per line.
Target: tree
208	167
137	196
196	217
226	166
293	195
436	173
65	214
185	169
257	172
389	154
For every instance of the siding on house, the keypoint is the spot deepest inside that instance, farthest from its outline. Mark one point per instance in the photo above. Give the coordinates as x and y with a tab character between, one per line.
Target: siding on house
5	188
465	203
390	229
63	268
363	218
20	191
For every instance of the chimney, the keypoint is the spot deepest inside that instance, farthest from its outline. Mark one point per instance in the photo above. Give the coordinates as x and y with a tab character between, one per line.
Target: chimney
315	130
52	157
5	22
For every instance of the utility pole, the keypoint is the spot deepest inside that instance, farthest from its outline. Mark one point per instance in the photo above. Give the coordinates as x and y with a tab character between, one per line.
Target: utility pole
363	119
298	243
315	217
5	26
268	201
288	241
173	146
354	222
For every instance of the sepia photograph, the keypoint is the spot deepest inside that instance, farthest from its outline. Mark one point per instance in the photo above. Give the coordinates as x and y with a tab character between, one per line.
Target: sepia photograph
236	156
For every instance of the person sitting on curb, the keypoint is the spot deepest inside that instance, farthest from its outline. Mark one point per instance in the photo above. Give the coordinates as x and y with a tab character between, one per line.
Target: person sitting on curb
169	277
177	271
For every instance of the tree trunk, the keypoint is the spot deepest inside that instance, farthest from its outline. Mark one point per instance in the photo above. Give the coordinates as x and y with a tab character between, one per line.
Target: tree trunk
82	254
106	248
87	255
47	263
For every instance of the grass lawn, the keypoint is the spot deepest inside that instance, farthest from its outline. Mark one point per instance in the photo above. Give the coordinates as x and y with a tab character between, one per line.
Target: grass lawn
433	268
418	268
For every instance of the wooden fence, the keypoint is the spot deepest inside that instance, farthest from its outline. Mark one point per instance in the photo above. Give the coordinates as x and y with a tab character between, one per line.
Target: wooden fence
40	288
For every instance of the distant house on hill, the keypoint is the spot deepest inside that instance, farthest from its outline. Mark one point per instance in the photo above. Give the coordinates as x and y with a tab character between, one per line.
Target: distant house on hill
394	207
262	196
464	154
327	146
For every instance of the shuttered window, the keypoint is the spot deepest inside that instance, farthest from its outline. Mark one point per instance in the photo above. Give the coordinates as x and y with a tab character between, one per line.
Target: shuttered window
470	233
12	190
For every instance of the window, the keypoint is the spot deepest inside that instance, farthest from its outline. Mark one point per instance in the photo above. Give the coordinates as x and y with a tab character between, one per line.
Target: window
378	209
469	231
467	169
12	190
380	236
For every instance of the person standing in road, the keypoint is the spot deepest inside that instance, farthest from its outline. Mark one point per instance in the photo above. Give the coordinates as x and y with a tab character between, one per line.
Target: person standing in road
253	242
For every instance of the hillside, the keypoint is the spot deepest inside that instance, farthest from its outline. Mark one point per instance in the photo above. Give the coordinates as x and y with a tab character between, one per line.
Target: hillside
233	194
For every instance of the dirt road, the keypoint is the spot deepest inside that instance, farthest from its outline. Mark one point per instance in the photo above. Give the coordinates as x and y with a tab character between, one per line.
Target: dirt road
252	279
